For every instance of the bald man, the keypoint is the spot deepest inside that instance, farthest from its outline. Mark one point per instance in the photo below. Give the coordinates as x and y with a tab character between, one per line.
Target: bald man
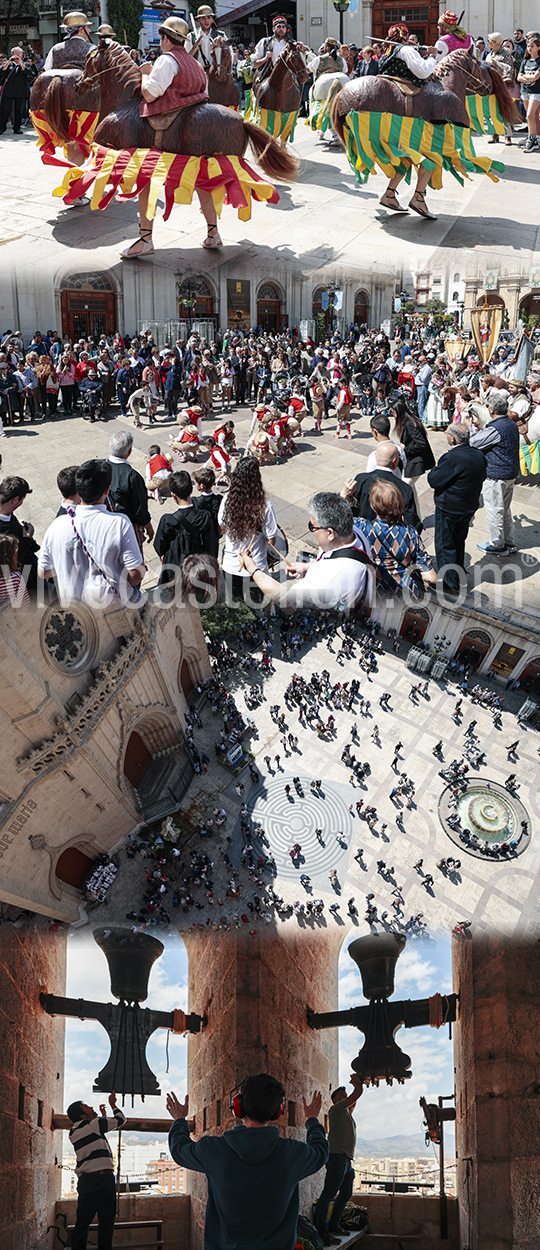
357	489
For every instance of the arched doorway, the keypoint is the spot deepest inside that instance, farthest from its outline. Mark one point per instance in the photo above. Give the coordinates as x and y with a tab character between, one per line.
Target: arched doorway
73	867
505	660
474	647
157	765
361	305
529	304
321	316
88	305
420	18
137	759
414	624
269	313
196	300
494	300
530	677
187	680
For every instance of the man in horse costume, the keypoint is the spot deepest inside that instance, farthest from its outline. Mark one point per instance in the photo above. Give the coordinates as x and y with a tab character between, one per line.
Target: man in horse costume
212	51
419	113
154	129
72	51
280	71
206	36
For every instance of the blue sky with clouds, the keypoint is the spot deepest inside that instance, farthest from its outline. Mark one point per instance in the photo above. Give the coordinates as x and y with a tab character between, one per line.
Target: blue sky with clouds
422	970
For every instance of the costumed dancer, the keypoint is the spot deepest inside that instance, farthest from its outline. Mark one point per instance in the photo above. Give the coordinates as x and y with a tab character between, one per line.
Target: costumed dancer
158	472
317	393
269	49
343	410
327	61
173	81
186	443
225	437
297	407
403	61
219	461
452	36
207	37
278	431
71	53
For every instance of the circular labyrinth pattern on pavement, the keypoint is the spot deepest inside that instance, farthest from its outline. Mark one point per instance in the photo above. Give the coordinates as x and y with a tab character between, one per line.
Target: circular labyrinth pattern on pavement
286	822
490	812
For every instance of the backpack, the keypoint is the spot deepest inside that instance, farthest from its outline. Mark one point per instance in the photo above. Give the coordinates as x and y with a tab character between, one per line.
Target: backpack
306	1231
188	539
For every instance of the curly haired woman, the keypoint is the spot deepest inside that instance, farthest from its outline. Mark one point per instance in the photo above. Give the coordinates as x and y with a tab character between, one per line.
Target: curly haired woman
247	518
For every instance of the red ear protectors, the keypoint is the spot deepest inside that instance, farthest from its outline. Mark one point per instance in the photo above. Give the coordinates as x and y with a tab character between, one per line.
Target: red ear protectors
236	1102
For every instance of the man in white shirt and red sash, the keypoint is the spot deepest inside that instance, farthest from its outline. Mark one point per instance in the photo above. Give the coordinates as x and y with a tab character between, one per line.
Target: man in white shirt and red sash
174	81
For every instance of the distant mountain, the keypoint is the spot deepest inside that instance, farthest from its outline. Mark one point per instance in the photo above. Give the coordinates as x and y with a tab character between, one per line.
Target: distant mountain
400	1147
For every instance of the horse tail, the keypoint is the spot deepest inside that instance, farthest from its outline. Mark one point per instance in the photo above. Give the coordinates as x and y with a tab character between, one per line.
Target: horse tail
54	111
507	105
332	110
273	159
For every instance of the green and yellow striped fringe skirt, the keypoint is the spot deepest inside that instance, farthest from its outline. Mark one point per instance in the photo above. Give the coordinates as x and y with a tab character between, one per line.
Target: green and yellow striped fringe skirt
389	142
279	125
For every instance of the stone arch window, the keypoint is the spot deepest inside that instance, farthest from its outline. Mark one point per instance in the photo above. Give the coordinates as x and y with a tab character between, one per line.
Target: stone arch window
87	281
196	297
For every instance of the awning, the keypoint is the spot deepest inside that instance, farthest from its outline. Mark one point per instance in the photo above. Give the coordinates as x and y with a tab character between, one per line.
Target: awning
243	10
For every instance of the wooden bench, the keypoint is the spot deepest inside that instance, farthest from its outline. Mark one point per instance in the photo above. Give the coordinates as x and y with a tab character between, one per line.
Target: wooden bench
127	1226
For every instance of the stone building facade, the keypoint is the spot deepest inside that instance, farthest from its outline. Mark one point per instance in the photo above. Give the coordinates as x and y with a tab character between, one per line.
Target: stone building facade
92	729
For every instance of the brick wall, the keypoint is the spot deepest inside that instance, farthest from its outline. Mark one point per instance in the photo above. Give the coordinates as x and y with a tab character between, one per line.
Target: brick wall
256	991
497	1047
31	1084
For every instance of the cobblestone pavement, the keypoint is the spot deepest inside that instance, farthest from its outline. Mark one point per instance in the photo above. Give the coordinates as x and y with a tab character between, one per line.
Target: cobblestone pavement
483	891
321	463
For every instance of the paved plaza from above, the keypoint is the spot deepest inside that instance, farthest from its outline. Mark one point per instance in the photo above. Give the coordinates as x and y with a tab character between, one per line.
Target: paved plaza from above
484	891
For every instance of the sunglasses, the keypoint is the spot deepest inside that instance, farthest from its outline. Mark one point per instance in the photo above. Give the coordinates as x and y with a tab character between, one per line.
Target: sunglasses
312	528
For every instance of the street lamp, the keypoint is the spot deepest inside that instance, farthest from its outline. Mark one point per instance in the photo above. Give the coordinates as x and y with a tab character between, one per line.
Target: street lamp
341	7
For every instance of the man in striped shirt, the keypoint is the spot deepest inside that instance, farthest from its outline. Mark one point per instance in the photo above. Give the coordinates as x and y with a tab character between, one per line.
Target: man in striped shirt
95	1170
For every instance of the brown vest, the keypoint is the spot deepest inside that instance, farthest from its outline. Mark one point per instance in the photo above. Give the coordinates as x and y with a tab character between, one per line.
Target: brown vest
189	86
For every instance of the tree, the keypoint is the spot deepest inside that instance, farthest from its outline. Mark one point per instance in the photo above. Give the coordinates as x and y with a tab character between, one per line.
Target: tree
125	18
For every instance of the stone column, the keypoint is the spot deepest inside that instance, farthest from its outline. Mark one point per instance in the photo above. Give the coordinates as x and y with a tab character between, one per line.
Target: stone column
497	1052
255	990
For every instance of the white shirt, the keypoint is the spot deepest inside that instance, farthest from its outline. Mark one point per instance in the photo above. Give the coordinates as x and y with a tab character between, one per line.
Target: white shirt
161	76
110	539
313	63
257	546
278	47
330	583
415	62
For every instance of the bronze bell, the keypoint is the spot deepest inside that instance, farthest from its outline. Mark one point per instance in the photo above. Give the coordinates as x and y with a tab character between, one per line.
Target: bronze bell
380	1059
130	957
376	956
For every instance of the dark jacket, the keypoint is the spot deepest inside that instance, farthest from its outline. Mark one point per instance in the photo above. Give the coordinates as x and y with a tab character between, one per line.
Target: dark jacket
364	482
499	443
211	505
128	493
28	548
457	480
366	68
16	82
187	532
253	1176
420	457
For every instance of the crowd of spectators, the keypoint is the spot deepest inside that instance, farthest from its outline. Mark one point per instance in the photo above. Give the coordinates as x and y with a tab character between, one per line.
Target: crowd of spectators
402	389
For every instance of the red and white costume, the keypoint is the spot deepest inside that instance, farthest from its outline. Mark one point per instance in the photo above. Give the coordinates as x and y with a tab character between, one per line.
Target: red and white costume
297	409
343	412
220	461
